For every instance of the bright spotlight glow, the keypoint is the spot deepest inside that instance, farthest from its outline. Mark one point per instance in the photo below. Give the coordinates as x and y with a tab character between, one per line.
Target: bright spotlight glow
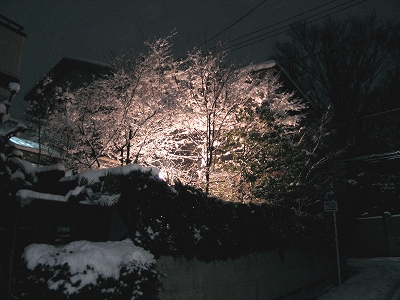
161	175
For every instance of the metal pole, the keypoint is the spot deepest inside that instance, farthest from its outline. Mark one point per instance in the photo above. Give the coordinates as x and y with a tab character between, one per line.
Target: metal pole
337	248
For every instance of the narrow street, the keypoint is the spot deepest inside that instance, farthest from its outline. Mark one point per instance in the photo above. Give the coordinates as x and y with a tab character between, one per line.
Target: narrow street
370	279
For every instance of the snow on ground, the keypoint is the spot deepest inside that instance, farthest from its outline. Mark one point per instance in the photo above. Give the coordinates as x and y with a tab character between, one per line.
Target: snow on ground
87	260
370	279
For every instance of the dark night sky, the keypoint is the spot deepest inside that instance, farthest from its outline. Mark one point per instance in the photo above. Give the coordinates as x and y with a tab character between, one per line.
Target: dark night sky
93	29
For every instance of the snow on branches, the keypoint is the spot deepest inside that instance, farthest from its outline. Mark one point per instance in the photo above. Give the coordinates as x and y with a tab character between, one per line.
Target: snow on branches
171	114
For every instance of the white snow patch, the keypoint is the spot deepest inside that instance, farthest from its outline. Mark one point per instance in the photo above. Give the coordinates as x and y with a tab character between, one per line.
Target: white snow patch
14	87
86	260
17	175
25	197
93	176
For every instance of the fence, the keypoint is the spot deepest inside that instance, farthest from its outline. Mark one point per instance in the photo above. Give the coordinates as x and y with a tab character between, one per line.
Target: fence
295	275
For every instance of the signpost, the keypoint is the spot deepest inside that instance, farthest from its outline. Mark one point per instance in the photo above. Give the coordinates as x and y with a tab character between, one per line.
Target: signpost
332	206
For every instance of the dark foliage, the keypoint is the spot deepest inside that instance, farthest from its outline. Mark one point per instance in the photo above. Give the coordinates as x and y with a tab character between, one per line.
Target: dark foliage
371	193
351	65
184	221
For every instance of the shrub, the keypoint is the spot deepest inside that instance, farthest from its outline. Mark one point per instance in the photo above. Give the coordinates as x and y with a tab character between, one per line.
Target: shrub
112	270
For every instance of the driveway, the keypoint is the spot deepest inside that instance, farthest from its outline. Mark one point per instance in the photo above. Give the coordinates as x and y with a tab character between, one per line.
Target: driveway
370	279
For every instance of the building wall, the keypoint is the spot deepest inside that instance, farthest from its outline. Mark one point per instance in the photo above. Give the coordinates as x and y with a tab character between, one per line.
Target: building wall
11	44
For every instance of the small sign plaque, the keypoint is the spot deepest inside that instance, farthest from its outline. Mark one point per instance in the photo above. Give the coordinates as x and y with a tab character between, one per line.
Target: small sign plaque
330	206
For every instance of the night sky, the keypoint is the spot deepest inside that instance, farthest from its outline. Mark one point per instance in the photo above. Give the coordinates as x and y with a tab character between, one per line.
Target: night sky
93	29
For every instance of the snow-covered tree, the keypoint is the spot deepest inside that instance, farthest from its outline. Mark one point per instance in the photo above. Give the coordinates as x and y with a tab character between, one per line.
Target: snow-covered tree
277	155
213	91
118	115
188	117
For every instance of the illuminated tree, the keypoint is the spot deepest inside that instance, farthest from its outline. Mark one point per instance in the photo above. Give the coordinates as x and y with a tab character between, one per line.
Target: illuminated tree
272	151
213	92
118	115
179	116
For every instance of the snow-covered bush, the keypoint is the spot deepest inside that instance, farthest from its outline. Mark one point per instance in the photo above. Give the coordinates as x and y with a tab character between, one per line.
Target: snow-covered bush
108	270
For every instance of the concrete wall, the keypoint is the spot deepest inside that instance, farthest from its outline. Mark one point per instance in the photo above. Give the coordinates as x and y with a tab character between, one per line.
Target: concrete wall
376	236
254	276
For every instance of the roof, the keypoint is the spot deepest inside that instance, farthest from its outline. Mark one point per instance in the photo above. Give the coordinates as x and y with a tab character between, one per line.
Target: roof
378	157
31	146
11	25
276	69
68	71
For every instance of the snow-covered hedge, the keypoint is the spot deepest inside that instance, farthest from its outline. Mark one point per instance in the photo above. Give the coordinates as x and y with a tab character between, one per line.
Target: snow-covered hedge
108	270
180	220
183	221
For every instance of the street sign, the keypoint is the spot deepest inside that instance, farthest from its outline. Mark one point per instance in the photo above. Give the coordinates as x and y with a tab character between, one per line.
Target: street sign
330	206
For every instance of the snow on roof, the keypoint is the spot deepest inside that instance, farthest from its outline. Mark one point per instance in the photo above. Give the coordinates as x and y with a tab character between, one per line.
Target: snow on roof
25	197
93	176
376	157
260	66
87	260
32	146
264	65
89	61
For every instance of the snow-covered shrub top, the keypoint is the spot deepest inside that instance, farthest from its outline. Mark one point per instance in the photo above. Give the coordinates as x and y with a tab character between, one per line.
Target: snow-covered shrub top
104	270
95	187
104	258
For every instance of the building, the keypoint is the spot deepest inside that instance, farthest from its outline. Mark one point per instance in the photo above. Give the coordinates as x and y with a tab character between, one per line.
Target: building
11	42
273	68
66	72
70	72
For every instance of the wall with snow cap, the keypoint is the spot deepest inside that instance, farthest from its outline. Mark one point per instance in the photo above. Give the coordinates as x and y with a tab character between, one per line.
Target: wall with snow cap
254	276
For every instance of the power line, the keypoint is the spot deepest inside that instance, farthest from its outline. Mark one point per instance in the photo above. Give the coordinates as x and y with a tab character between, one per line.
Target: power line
215	28
230	26
345	44
285	20
286	30
372	115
